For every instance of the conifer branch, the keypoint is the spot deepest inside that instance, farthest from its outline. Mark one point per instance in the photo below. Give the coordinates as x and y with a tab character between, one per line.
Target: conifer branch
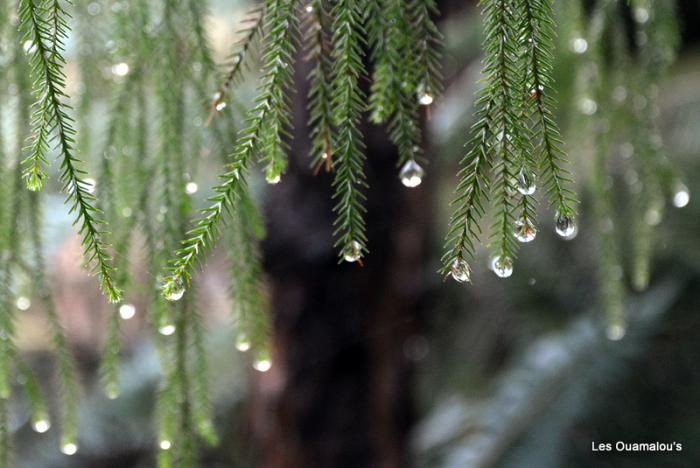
428	40
252	29
319	97
348	103
271	101
45	26
537	29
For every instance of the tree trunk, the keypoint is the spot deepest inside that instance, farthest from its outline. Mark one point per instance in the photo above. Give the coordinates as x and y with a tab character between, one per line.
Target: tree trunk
345	335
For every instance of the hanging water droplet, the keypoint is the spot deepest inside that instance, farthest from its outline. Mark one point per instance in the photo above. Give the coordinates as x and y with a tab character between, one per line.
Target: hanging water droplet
425	97
525	231
242	342
41	425
69	448
120	69
352	252
565	225
191	188
502	266
411	174
167	329
272	178
460	271
112	392
309	8
262	362
165	444
526	182
127	311
579	45
682	196
219	101
615	331
89	184
174	290
641	15
23	303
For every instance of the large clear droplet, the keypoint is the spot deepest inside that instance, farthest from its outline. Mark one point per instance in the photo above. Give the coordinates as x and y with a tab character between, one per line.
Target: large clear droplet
526	182
165	444
565	225
174	291
525	231
460	271
353	252
502	266
682	196
411	174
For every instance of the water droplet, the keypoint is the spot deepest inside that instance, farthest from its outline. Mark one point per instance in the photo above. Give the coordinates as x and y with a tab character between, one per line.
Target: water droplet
352	252
89	184
425	98
69	448
262	363
23	303
682	196
167	329
272	178
526	182
165	444
587	106
652	217
579	45
525	231
112	392
41	425
127	311
191	188
460	271
615	331
309	8
411	174
219	101
565	225
120	69
641	15
502	266
242	342
174	290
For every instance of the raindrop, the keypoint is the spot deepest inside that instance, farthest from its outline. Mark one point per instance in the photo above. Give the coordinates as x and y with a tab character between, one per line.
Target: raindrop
352	252
460	271
525	231
411	174
526	182
502	266
565	225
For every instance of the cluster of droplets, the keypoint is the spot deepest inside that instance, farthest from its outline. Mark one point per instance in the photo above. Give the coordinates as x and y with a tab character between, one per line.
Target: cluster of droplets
411	174
219	101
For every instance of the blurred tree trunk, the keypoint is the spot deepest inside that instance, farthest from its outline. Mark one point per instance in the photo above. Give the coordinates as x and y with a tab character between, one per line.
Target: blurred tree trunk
345	336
